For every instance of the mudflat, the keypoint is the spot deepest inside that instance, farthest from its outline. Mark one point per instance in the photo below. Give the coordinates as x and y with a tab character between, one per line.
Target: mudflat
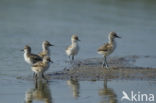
92	70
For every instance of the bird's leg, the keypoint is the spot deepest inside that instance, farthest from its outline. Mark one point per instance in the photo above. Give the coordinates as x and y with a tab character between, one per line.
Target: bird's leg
106	65
36	84
69	58
44	77
34	75
104	62
72	57
36	80
70	61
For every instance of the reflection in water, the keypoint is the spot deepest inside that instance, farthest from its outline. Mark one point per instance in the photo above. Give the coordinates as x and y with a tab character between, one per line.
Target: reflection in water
107	94
41	92
75	87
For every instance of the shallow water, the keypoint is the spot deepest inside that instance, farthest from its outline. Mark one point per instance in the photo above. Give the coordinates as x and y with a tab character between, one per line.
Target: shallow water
80	92
32	21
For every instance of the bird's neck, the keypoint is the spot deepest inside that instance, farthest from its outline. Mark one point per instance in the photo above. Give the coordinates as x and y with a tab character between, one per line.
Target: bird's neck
45	48
46	62
111	40
74	43
27	52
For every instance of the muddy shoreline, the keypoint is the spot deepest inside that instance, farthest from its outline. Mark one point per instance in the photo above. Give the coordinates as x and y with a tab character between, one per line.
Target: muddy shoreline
122	68
94	73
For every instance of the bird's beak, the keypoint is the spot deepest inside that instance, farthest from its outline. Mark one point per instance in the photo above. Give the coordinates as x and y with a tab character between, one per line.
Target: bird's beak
51	45
117	36
78	40
22	50
51	61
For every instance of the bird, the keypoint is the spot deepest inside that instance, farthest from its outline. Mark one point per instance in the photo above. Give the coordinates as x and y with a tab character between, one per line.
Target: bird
46	50
73	49
108	47
40	67
29	57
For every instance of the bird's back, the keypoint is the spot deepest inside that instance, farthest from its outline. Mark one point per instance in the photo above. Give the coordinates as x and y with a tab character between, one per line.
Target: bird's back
38	67
43	53
106	49
34	58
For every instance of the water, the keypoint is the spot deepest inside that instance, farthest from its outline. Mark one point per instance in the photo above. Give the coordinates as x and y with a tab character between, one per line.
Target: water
84	91
32	21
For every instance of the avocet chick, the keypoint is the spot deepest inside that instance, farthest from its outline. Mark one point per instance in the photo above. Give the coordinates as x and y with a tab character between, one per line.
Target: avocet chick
46	50
29	57
40	67
108	48
73	49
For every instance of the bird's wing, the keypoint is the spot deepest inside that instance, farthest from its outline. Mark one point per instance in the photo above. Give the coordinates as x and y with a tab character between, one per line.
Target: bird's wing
36	57
38	64
105	47
69	47
42	54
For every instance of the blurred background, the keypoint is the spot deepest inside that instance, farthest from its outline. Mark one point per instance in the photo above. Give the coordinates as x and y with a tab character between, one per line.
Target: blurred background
33	21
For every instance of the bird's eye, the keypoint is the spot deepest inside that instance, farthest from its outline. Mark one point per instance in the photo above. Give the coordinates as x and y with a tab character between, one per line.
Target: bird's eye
76	38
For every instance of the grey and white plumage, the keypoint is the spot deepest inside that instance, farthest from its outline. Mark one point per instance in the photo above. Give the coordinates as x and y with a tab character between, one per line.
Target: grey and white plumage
40	67
108	47
73	49
29	57
45	49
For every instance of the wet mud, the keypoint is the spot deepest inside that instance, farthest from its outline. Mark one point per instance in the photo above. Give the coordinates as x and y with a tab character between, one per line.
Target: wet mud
120	68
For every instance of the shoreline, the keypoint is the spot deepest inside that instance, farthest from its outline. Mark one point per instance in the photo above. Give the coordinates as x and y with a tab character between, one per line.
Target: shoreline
121	68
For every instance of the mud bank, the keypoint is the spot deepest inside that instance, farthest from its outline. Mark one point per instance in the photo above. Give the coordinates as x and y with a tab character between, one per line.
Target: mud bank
120	68
98	73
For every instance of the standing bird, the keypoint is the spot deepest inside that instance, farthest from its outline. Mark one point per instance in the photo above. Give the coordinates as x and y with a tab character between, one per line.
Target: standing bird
108	48
73	49
46	50
29	57
40	67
